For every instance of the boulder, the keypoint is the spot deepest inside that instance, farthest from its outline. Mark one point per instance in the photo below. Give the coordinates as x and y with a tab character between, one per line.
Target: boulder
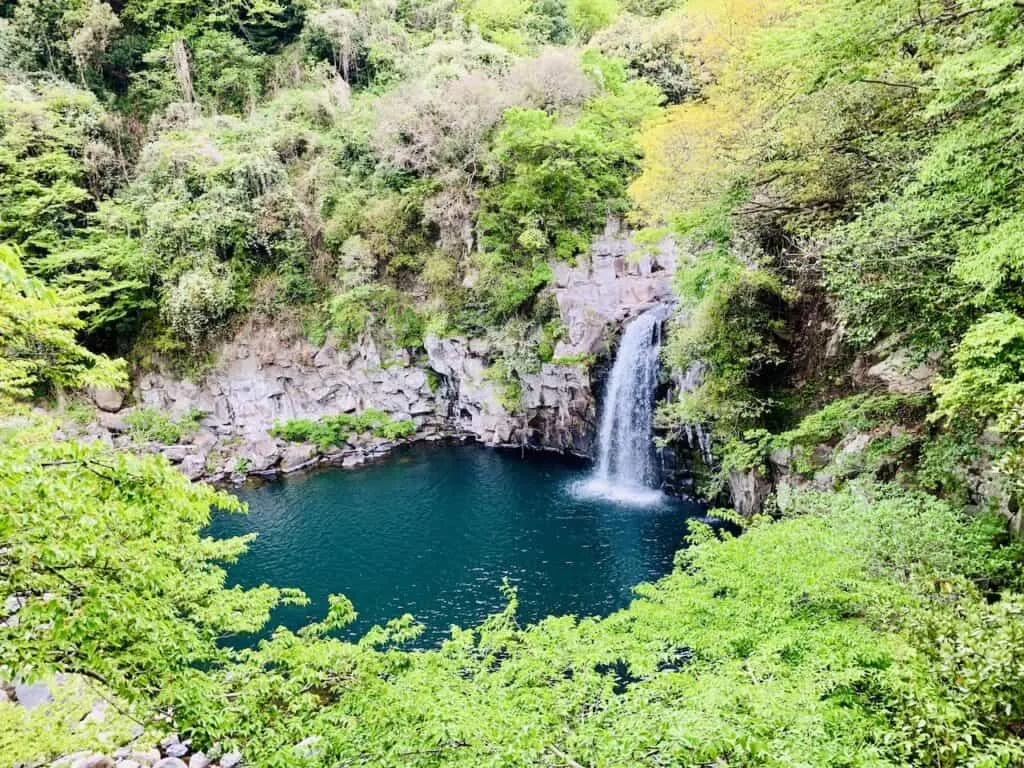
169	740
97	432
193	467
68	760
94	761
170	762
748	491
113	422
353	460
853	443
146	757
297	456
414	380
107	399
780	459
821	455
421	407
230	760
902	375
199	760
176	453
262	454
31	696
309	748
204	439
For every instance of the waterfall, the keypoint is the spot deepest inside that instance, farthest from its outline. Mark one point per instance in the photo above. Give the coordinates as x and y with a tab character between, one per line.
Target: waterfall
626	467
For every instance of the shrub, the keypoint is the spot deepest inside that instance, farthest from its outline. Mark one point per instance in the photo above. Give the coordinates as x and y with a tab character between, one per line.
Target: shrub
149	424
653	50
988	370
396	430
379	307
588	16
427	129
330	431
199	301
733	333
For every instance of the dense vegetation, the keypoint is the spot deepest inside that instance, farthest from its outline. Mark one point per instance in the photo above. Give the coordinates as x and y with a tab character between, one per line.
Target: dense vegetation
404	167
857	156
843	178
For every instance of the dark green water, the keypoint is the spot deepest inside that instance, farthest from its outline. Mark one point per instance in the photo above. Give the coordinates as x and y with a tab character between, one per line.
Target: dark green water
432	531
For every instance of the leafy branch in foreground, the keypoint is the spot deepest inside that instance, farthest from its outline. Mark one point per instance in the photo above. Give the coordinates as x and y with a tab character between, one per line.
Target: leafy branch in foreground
103	556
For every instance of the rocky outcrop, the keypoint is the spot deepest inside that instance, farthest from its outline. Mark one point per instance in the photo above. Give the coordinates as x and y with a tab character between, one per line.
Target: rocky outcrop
896	369
171	753
748	491
556	405
270	371
621	280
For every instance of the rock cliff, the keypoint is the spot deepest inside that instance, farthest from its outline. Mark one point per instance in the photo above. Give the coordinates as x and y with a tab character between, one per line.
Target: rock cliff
270	371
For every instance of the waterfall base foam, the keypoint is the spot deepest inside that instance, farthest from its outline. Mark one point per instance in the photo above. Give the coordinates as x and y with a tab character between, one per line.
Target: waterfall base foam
598	488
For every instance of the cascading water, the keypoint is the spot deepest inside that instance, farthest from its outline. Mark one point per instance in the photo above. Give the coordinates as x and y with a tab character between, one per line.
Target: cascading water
626	467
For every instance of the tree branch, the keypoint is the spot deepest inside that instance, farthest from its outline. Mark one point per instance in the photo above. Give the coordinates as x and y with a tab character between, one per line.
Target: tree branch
568	760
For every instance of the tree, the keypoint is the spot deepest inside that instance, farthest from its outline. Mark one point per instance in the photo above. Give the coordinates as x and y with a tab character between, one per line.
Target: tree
46	188
38	325
91	40
588	16
103	561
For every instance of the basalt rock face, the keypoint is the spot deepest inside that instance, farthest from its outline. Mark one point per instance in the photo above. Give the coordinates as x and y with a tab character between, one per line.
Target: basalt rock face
271	372
556	408
620	281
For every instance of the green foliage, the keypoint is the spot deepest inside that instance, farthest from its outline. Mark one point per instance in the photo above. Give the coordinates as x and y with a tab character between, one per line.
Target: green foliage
384	164
588	16
105	553
38	326
654	51
332	431
857	413
152	425
556	181
54	162
733	335
61	726
396	430
553	184
866	628
874	174
198	301
581	358
988	370
551	333
377	306
323	183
